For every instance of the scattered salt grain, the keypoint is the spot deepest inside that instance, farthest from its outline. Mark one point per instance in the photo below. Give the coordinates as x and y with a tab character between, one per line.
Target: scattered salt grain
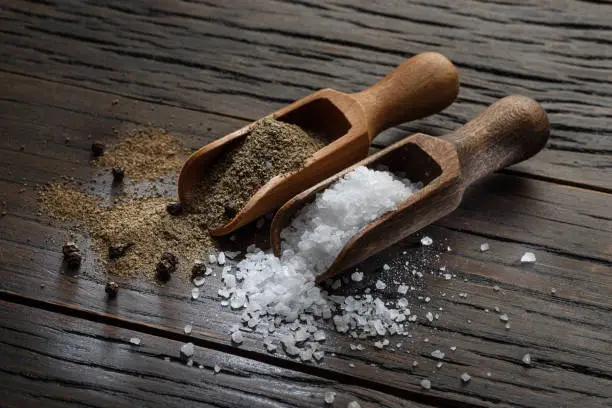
187	329
429	316
489	374
496	288
221	258
440	364
330	397
135	341
465	377
195	293
437	354
426	241
319	335
212	259
380	285
425	384
198	281
357	276
189	363
484	247
415	363
217	368
237	337
453	348
402	289
187	350
528	257
507	326
386	267
527	359
504	317
353	404
553	291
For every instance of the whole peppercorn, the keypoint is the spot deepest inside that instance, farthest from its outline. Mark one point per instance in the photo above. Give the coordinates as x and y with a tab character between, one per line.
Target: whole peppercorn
164	270
72	254
111	289
117	250
118	173
97	149
174	208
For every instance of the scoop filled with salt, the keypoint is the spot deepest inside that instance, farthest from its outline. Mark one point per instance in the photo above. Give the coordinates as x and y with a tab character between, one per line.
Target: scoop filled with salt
419	87
507	132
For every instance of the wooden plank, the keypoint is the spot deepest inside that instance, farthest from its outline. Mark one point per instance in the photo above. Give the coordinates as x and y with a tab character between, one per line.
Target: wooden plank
50	359
246	60
570	346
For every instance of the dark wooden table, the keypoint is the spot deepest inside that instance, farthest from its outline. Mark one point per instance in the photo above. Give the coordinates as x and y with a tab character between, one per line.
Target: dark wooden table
203	68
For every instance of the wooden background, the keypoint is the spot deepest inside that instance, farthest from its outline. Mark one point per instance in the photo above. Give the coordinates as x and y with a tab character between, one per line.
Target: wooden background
203	68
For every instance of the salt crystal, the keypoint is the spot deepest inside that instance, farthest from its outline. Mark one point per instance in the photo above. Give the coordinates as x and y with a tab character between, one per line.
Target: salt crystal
330	396
429	316
352	365
415	363
386	267
507	326
489	374
426	241
528	257
496	308
357	276
135	340
427	299
465	377
504	317
187	349
353	404
319	335
212	259
425	384
217	368
199	281
553	291
380	285
484	247
237	337
527	359
195	293
496	288
221	258
453	348
402	289
437	354
439	365
187	329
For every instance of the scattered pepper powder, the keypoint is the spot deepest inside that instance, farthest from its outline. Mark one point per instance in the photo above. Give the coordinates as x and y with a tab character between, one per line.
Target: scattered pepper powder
145	153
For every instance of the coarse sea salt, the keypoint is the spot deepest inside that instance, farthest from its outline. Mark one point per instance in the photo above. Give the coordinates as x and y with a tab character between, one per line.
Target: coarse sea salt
281	292
528	257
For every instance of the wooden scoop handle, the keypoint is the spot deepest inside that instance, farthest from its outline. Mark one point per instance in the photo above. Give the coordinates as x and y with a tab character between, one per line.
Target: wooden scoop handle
507	132
421	86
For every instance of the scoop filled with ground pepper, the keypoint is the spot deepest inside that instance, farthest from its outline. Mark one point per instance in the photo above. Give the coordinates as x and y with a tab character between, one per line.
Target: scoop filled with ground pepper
270	149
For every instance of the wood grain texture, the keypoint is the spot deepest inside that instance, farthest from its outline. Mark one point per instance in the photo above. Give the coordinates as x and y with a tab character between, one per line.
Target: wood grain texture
568	229
238	59
52	360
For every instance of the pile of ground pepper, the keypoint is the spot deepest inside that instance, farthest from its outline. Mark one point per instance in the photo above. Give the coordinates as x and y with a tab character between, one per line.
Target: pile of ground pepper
271	148
140	226
145	153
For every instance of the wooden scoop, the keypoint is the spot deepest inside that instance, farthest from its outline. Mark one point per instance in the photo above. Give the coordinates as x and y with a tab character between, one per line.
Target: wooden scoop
420	86
509	131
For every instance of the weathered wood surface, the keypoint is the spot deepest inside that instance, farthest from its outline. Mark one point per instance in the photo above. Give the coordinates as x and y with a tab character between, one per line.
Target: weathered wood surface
240	59
50	359
568	335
